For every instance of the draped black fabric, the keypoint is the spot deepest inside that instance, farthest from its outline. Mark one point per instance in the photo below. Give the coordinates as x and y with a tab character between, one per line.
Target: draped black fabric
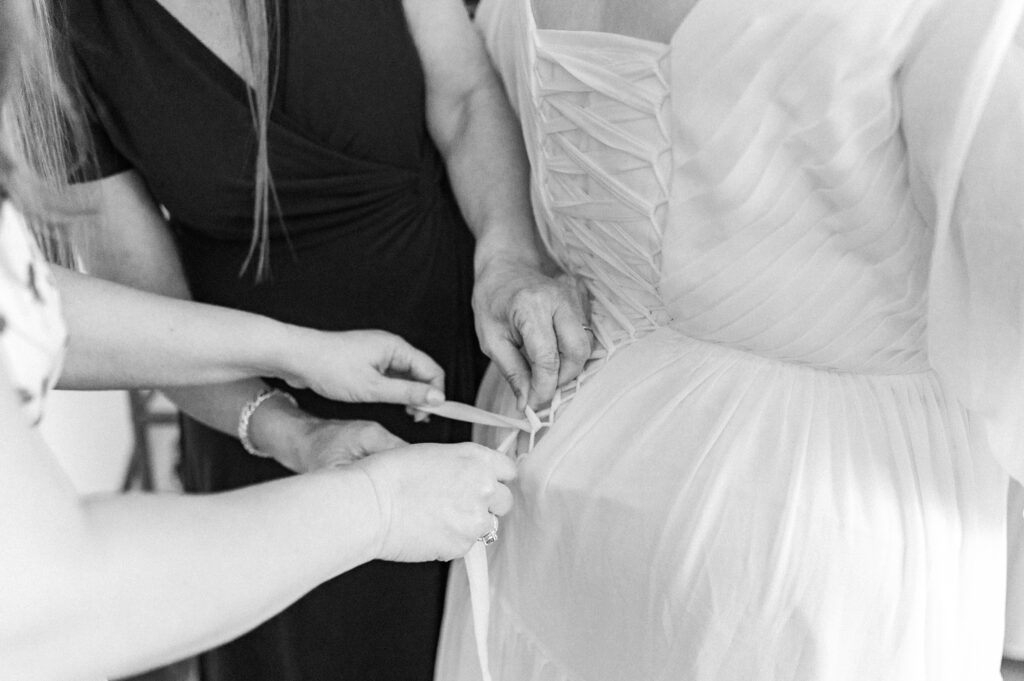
369	236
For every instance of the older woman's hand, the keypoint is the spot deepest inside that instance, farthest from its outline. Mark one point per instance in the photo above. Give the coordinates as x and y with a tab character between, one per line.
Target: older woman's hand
360	366
532	326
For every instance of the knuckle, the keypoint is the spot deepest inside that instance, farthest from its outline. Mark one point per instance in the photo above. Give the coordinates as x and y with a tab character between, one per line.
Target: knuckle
579	346
512	378
523	296
371	430
467	451
546	360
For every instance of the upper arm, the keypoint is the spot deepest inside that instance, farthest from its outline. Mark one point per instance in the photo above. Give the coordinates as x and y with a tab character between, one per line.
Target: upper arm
455	64
129	240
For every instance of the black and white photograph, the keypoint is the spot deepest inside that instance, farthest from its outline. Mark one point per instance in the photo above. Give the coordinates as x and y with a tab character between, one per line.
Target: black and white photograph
511	340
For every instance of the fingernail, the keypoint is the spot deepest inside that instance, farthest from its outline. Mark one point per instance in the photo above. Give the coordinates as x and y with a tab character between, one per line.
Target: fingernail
435	396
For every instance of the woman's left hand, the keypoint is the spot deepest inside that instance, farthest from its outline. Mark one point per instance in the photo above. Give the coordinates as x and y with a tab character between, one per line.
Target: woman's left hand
361	366
305	443
327	444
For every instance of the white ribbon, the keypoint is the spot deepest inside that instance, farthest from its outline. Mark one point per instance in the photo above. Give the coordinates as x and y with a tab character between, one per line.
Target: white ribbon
476	558
532	423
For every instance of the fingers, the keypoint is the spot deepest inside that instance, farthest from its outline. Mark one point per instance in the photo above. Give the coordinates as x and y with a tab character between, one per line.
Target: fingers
415	364
339	443
541	349
374	437
502	466
574	343
501	501
513	367
410	376
402	391
554	345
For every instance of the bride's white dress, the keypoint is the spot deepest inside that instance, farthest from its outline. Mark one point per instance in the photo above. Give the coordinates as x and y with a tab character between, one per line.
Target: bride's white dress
801	227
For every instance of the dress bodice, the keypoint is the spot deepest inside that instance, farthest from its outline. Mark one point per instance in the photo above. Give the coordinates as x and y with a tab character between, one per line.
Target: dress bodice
603	170
744	201
32	329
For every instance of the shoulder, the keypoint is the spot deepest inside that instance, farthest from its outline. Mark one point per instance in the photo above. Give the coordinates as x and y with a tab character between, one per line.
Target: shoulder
89	18
102	28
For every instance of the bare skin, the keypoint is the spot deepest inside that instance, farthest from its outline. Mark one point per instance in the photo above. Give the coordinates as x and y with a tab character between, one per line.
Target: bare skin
655	20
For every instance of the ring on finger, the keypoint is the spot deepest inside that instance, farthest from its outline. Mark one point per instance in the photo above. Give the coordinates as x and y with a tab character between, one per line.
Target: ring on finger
491	536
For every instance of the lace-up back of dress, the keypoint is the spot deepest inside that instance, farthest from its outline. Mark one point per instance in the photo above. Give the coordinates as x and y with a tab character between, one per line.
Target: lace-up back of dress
770	232
603	128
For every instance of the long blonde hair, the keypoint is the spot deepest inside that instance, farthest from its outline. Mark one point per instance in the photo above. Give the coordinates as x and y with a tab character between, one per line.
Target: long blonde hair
42	140
40	135
257	23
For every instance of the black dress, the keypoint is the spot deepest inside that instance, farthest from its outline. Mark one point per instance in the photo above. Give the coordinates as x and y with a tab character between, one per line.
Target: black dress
371	238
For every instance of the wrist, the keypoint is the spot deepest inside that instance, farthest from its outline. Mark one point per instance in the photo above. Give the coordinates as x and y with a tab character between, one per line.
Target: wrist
353	512
278	429
378	516
280	349
506	247
498	261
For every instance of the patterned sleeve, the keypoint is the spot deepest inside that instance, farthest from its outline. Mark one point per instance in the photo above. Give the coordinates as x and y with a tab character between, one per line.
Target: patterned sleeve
99	156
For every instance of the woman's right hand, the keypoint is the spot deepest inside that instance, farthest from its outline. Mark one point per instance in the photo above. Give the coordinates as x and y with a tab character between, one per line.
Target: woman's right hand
359	366
436	500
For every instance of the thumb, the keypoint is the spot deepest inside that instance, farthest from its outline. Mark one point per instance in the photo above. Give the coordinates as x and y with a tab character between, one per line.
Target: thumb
381	439
408	361
402	391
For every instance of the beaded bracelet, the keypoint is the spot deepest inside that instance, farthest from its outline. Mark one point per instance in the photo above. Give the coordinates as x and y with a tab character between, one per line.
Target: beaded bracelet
249	409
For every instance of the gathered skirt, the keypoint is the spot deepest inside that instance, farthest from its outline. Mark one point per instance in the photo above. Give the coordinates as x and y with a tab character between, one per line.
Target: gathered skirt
700	513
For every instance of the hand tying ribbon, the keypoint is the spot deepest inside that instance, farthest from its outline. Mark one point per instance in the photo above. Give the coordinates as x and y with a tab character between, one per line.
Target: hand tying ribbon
531	423
476	558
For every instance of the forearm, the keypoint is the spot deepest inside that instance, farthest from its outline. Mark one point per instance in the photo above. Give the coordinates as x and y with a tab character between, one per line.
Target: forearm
180	574
489	173
475	129
132	246
121	337
531	324
203	356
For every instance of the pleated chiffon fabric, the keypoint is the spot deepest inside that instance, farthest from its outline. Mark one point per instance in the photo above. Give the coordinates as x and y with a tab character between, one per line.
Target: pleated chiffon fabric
797	226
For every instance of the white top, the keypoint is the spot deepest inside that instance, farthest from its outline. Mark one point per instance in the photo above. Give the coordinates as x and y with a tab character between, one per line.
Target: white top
33	335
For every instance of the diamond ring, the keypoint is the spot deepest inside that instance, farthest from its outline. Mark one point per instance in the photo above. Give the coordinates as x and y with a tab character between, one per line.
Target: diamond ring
491	536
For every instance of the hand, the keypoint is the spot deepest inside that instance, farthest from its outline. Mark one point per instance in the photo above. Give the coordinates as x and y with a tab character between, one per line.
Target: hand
305	443
361	366
532	326
435	500
328	443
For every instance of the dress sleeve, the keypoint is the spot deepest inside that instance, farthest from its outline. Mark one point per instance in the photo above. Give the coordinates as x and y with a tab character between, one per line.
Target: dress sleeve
963	119
100	157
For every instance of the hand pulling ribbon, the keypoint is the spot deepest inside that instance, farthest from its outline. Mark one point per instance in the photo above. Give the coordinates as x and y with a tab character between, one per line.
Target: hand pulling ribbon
476	558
